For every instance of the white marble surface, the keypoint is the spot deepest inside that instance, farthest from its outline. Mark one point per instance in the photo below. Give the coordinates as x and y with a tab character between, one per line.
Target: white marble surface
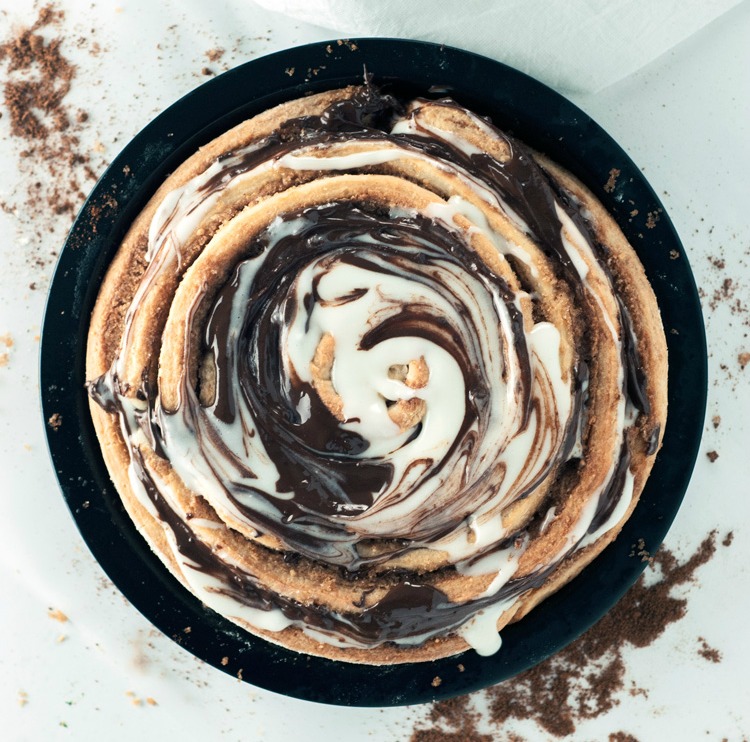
685	119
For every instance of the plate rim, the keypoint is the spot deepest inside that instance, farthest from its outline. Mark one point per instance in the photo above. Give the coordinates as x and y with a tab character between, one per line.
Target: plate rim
100	222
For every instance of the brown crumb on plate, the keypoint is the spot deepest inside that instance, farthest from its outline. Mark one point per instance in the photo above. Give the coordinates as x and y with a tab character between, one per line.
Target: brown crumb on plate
609	186
55	421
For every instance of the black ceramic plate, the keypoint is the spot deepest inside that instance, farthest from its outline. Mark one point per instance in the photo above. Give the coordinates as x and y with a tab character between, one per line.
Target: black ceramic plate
515	102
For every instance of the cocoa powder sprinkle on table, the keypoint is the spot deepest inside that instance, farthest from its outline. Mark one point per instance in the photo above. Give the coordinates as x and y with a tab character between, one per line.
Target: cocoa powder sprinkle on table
454	720
584	680
708	652
35	105
54	167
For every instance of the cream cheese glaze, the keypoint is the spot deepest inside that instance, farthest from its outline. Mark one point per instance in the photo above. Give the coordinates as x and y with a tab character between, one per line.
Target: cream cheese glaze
430	279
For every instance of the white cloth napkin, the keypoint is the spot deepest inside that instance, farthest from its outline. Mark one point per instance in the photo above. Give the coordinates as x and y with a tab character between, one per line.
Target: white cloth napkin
573	45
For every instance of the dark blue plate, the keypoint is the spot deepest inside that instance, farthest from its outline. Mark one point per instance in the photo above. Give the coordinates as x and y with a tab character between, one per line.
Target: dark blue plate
515	102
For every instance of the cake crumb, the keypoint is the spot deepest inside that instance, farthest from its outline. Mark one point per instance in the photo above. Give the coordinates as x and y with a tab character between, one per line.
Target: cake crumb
744	359
55	421
350	45
6	340
461	668
609	186
134	700
651	218
728	539
622	737
23	698
239	674
289	71
674	254
214	55
436	681
224	661
57	615
639	549
151	701
712	456
716	421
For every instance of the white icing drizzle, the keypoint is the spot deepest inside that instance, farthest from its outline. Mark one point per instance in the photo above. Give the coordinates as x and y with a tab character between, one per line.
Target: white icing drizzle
549	516
480	631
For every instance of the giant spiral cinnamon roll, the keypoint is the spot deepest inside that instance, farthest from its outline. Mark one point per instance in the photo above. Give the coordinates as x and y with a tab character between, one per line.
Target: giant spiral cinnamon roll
373	378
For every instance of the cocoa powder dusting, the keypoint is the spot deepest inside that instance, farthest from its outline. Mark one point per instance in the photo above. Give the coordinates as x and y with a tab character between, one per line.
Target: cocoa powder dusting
454	720
585	679
708	652
54	168
35	105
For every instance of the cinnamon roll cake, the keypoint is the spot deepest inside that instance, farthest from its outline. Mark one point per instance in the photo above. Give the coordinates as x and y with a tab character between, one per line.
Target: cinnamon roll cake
373	378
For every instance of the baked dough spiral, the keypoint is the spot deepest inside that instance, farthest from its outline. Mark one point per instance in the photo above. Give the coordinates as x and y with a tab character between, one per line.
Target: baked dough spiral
373	378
